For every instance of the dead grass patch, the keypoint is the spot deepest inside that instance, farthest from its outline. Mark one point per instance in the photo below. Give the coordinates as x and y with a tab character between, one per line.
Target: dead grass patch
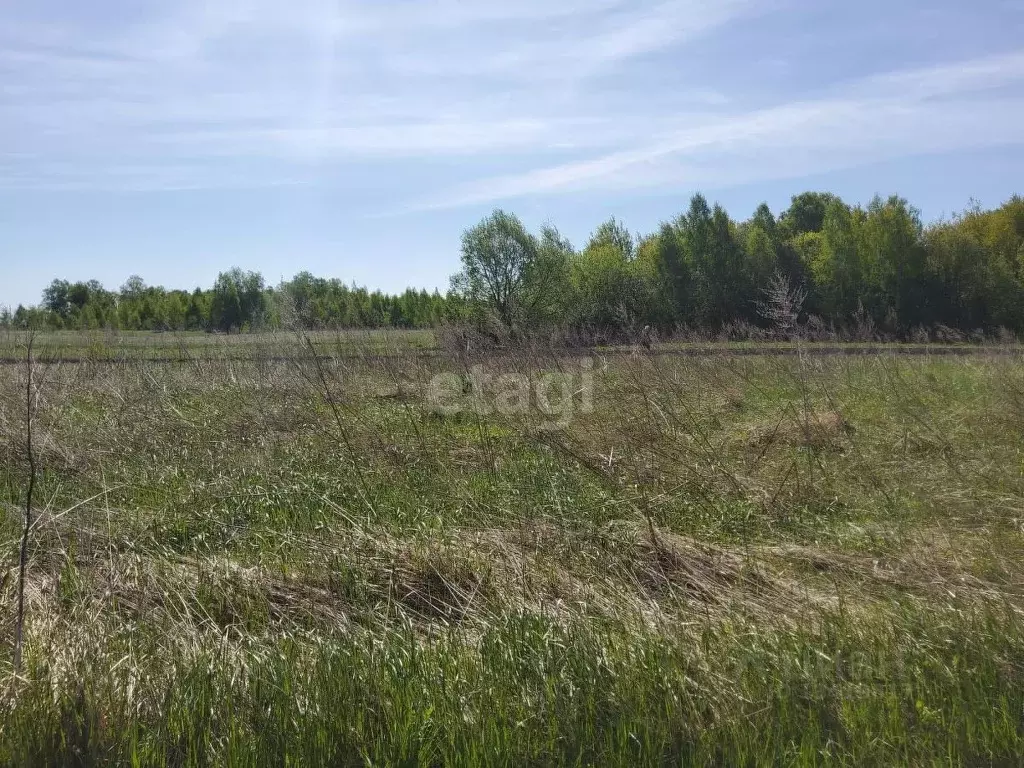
818	429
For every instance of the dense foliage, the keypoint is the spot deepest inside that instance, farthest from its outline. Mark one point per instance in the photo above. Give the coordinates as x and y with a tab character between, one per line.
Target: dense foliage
853	269
873	268
238	301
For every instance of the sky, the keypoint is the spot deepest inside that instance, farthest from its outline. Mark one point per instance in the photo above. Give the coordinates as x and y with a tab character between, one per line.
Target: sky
357	139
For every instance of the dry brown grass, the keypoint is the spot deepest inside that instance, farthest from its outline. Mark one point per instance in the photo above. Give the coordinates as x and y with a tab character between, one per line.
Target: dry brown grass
819	429
213	505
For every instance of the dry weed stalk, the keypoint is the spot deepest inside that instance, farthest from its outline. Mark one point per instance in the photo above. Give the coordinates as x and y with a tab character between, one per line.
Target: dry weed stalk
27	526
343	432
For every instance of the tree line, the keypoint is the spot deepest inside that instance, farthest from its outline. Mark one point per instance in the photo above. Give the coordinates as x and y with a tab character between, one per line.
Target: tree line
239	301
833	266
876	266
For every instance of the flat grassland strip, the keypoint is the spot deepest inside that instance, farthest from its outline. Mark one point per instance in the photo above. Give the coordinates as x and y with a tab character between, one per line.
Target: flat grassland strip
276	558
131	346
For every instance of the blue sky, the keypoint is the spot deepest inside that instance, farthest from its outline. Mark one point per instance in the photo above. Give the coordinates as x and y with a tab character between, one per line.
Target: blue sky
358	138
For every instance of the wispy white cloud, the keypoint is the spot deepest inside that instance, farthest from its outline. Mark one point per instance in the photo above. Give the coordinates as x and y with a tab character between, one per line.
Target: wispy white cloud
416	14
590	42
573	94
932	109
984	73
323	80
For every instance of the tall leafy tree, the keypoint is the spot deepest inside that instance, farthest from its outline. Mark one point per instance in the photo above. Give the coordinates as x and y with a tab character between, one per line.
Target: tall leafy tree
238	300
892	246
806	213
56	298
663	259
615	234
836	266
502	272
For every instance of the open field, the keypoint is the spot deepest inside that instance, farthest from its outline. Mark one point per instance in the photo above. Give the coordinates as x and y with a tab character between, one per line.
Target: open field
291	557
119	346
186	347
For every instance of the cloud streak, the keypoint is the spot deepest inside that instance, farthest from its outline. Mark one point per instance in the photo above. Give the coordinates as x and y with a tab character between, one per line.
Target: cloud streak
507	99
915	111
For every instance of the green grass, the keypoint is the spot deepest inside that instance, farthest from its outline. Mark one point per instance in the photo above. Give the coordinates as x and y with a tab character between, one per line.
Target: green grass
739	561
187	346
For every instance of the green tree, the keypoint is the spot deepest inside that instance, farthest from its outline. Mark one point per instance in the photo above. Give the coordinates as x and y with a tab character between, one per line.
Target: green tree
806	213
614	234
238	300
502	273
836	266
56	298
662	259
709	239
611	292
759	236
892	246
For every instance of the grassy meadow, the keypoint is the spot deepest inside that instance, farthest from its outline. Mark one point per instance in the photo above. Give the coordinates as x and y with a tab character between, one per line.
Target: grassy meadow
259	552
